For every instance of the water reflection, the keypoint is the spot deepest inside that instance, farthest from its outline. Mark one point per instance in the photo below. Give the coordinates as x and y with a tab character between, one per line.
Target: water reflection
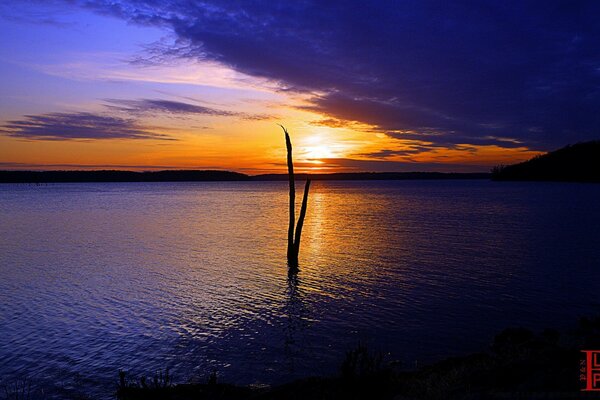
294	311
97	277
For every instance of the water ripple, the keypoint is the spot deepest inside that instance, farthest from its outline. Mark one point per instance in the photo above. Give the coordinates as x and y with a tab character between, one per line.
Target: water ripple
192	276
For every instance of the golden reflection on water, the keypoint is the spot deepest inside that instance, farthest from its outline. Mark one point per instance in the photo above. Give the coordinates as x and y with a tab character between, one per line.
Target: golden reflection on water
345	237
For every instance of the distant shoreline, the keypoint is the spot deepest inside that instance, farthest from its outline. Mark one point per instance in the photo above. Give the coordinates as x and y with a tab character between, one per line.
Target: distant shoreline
215	176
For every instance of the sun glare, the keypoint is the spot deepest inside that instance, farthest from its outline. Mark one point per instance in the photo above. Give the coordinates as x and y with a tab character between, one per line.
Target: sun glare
320	151
314	148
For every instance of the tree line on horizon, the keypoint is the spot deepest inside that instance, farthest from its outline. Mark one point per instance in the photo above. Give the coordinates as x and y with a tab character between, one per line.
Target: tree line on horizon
214	175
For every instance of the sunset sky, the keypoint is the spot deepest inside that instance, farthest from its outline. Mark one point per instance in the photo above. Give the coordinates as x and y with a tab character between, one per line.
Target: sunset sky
361	86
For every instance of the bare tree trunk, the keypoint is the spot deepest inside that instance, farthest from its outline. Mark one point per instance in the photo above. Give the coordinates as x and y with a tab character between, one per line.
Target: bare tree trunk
290	247
301	218
293	247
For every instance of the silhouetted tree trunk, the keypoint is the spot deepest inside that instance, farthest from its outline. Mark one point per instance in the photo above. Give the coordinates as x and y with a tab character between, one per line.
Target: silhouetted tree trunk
290	247
301	219
293	247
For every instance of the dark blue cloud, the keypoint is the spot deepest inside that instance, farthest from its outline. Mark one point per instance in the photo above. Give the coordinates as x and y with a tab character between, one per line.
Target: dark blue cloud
458	72
81	125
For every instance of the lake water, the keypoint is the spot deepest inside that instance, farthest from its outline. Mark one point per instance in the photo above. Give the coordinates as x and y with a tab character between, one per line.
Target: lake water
192	276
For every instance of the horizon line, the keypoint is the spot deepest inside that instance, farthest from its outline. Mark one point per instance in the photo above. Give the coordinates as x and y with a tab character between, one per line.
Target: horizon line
174	169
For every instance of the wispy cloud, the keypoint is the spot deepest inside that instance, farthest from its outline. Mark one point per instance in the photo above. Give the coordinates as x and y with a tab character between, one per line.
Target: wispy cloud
171	69
164	106
387	153
353	165
80	125
125	125
331	123
145	106
16	166
43	14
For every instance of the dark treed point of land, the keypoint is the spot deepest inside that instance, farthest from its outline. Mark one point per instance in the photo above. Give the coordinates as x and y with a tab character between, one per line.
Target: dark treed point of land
574	163
211	175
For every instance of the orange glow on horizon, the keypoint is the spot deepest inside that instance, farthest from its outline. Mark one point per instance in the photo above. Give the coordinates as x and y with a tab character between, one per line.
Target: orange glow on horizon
245	138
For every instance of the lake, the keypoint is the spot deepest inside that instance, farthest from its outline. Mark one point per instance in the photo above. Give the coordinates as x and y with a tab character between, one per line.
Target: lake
192	276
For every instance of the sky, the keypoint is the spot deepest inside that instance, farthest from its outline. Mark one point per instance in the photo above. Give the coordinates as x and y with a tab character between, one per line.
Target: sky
361	86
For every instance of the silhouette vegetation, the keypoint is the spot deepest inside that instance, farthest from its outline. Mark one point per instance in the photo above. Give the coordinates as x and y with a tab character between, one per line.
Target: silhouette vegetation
360	363
19	390
294	232
574	163
519	363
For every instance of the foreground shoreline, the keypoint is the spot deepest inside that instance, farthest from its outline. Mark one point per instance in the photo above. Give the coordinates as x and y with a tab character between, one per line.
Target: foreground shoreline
520	364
